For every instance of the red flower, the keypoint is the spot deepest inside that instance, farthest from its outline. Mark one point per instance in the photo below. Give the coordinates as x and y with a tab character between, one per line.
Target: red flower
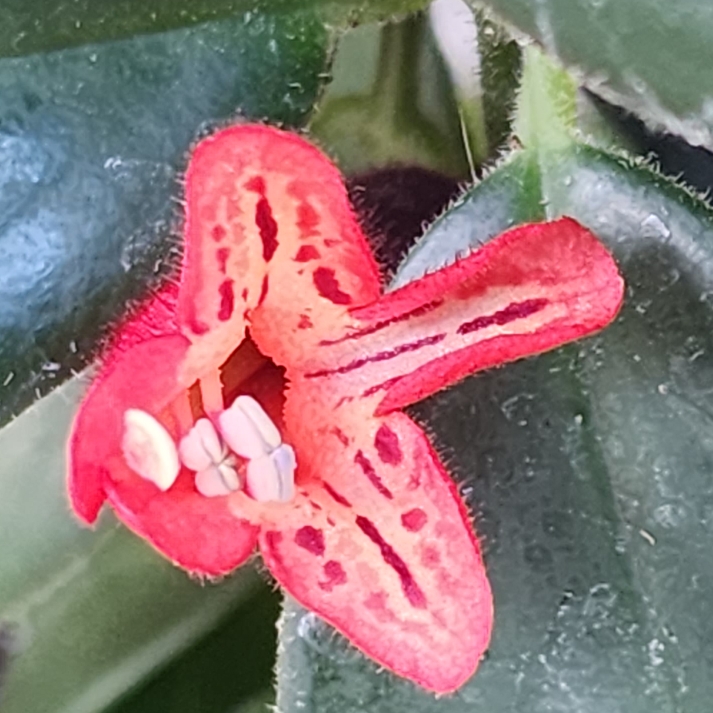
369	531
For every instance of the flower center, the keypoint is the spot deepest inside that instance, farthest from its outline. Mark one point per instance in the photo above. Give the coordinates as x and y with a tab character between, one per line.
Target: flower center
238	448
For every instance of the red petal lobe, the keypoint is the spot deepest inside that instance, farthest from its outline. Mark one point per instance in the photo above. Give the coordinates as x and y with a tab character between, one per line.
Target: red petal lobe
400	576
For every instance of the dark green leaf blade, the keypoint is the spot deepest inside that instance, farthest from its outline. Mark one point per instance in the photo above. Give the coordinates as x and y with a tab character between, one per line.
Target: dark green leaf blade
49	25
227	671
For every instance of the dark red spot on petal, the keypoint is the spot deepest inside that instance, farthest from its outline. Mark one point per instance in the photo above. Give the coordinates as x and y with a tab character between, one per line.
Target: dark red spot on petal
263	291
310	539
227	300
417	312
221	256
365	464
307	219
245	293
387	445
218	233
410	589
327	286
335	574
337	497
305	322
517	310
198	327
332	242
341	435
380	356
268	228
414	520
256	184
307	253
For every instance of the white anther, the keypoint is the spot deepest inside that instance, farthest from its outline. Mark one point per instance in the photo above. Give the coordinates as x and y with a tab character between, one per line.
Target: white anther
149	449
217	480
248	430
271	477
203	450
201	447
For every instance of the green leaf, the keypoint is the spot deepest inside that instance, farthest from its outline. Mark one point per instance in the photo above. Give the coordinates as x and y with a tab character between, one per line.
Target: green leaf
227	671
589	469
651	56
92	145
49	25
90	614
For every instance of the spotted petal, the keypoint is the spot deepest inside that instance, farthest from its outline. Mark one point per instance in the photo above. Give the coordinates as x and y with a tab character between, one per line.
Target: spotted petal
268	221
531	289
388	555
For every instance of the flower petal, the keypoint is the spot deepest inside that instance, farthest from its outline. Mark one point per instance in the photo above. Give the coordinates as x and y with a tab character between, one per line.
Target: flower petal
195	532
527	291
143	378
268	222
388	555
198	533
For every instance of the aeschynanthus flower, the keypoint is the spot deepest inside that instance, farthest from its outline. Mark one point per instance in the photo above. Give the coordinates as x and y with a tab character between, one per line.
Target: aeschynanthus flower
203	449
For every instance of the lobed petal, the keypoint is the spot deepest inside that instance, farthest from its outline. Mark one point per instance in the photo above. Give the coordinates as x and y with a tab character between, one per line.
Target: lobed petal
376	539
198	533
145	378
388	555
531	289
272	239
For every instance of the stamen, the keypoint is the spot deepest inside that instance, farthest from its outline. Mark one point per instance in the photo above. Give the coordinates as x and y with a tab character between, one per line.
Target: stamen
250	433
149	449
217	480
203	451
272	477
248	430
201	447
